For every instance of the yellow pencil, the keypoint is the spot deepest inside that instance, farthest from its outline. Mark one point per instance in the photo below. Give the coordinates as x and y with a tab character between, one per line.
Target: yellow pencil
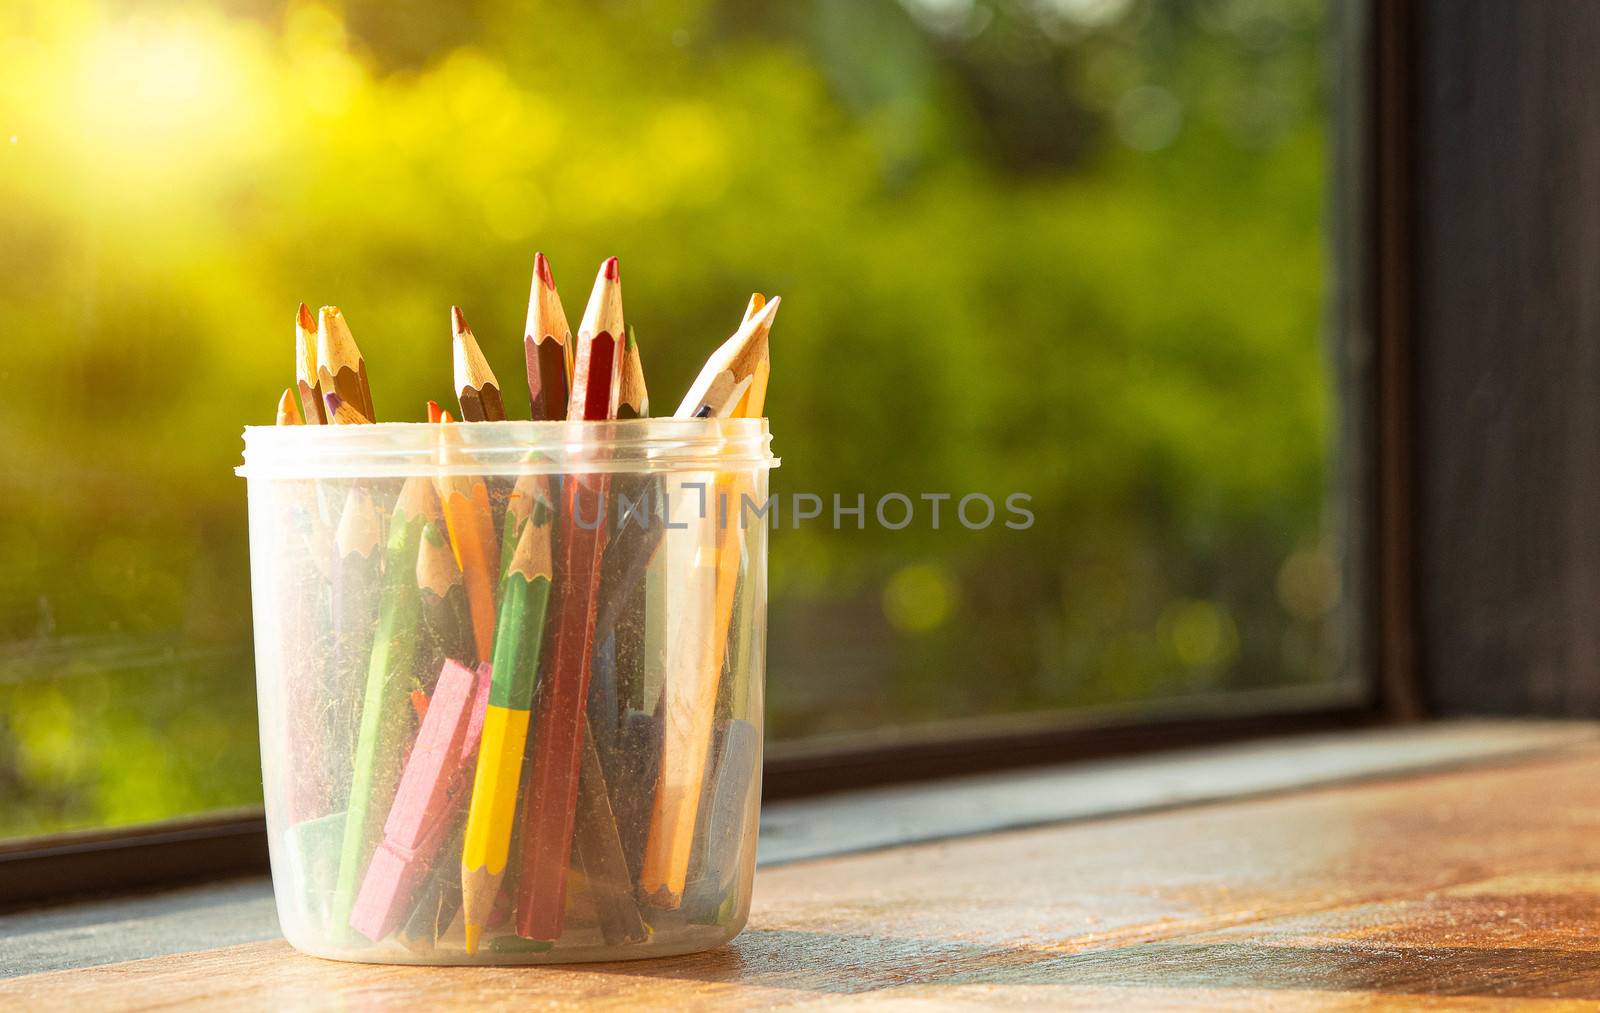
524	595
704	568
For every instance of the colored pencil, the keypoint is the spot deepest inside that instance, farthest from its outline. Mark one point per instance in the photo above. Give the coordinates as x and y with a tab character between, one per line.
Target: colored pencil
340	366
305	362
597	363
529	495
553	766
445	616
427	799
725	830
385	708
341	412
469	519
731	369
476	388
600	853
353	614
753	404
446	632
289	410
633	400
545	345
524	594
695	659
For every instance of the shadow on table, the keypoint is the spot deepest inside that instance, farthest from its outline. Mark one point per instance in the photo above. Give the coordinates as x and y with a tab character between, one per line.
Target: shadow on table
833	963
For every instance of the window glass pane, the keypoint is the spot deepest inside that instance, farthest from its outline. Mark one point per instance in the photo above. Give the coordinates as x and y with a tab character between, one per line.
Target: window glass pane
1065	250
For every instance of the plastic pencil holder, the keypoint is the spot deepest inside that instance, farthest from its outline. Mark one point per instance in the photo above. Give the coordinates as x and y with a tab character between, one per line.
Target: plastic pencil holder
510	684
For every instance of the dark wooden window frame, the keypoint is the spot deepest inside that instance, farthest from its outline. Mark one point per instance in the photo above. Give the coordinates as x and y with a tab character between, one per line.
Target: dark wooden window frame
1372	319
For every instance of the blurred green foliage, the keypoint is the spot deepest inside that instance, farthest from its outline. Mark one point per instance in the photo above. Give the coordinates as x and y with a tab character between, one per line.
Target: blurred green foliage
1071	248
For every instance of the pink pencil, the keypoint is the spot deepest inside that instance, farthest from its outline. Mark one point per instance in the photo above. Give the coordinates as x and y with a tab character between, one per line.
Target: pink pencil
430	789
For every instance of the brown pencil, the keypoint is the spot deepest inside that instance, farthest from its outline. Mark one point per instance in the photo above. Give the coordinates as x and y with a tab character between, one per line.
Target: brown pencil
305	365
341	412
545	345
476	388
289	410
340	367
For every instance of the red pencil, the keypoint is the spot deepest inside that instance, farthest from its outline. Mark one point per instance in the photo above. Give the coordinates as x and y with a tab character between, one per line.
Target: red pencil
552	791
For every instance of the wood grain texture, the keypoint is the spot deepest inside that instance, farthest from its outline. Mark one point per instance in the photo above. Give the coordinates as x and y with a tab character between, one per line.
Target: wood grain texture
1462	890
1507	198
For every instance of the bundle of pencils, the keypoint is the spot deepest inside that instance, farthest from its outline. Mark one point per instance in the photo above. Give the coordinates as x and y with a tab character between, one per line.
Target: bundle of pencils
484	754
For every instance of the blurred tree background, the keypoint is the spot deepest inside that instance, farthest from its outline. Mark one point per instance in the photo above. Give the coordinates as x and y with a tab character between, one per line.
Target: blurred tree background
1072	248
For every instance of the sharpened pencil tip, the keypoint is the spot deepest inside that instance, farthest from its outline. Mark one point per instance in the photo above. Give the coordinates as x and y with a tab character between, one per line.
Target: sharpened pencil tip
458	320
473	932
541	270
305	318
434	413
334	401
611	269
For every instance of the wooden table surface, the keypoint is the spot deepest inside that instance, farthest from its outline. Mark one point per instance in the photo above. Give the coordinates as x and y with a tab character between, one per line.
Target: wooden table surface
1461	889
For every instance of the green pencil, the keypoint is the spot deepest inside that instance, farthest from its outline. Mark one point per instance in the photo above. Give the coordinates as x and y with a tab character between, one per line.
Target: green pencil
530	494
385	709
524	594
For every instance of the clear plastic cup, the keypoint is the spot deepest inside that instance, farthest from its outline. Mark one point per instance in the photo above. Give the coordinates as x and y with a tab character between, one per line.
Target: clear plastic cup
510	682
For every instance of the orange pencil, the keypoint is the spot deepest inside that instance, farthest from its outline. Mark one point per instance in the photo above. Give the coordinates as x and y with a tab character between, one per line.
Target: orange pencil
305	363
469	520
288	411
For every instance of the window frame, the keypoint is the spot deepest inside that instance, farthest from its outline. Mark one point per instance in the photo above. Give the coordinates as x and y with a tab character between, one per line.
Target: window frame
1371	323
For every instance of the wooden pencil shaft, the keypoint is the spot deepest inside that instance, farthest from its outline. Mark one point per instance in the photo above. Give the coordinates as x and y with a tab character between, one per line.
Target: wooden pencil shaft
483	405
476	387
446	619
289	410
384	723
519	634
688	699
597	364
341	369
342	412
353	617
553	765
627	559
633	399
600	852
306	378
716	390
469	521
724	822
547	378
600	397
547	346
